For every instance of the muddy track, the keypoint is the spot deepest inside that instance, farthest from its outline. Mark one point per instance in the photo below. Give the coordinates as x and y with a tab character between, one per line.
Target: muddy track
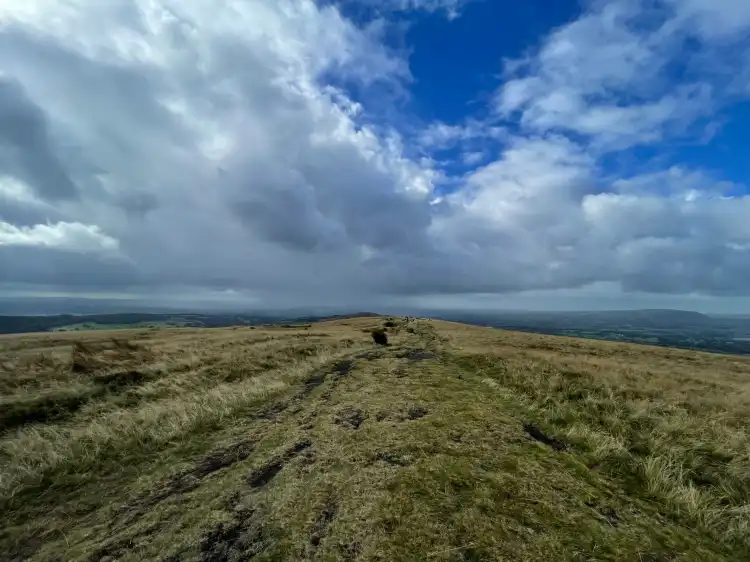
187	480
326	517
261	476
244	536
341	368
535	432
223	539
350	417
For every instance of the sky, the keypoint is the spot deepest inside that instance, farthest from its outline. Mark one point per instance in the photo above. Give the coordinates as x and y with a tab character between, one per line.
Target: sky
444	153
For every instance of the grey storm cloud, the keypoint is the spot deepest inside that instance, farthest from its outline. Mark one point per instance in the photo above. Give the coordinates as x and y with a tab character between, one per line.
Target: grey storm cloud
26	149
64	269
154	144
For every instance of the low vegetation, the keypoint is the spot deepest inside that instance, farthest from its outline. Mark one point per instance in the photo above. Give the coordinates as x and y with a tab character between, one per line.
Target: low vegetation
311	442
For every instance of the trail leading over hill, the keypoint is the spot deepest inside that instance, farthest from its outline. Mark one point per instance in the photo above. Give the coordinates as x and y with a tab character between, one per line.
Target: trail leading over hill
453	443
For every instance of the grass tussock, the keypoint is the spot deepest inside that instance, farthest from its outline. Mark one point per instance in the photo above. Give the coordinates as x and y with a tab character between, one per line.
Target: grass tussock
314	443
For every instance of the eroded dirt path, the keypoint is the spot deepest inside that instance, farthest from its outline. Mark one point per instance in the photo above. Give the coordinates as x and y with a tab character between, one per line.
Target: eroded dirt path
304	439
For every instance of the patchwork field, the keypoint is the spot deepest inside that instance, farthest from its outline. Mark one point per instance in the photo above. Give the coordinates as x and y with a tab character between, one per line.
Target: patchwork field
311	443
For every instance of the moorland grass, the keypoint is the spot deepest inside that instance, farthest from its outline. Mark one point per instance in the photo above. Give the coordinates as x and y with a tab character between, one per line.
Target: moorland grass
312	443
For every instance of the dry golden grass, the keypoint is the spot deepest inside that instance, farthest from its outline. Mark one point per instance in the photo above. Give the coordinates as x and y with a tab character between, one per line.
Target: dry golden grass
310	443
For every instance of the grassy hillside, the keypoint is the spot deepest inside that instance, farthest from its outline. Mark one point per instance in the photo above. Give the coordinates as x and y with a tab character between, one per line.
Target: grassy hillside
134	320
453	443
139	320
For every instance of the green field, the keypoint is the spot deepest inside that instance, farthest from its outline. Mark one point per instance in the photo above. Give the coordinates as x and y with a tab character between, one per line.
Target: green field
83	326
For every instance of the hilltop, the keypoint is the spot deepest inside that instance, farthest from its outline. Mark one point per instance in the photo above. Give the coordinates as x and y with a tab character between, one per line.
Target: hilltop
133	320
311	443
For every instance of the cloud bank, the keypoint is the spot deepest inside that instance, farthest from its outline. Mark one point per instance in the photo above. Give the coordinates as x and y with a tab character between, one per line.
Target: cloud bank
170	146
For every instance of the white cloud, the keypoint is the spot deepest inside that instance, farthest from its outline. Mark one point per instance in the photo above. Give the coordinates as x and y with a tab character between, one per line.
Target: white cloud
544	217
607	74
439	135
714	19
206	146
14	190
451	8
74	237
472	158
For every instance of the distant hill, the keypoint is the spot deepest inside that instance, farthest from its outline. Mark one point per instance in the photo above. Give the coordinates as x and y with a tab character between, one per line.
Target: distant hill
665	318
318	318
664	327
26	324
648	317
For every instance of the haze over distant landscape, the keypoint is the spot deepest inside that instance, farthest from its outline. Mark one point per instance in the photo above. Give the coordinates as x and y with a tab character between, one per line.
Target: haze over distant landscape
425	154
